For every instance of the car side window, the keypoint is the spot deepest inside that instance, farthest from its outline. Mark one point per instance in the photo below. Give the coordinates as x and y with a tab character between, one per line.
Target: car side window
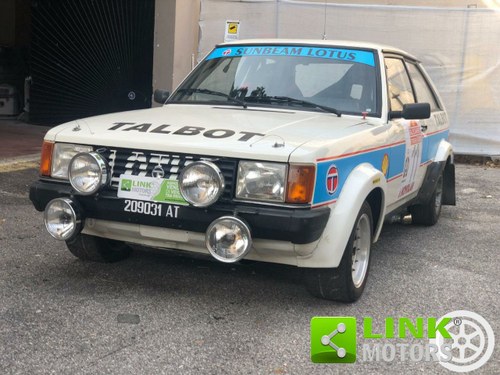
398	83
422	90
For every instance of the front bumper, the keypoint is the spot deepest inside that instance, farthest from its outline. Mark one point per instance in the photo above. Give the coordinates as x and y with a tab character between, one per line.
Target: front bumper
298	226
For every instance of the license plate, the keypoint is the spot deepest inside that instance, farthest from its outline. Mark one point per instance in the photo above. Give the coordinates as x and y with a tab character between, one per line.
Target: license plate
151	208
150	189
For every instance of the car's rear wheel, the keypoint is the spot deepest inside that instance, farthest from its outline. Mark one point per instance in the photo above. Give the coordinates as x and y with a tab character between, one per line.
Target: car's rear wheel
428	213
97	249
346	282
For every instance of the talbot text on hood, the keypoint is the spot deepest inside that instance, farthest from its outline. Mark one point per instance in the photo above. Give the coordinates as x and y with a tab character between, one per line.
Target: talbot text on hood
244	136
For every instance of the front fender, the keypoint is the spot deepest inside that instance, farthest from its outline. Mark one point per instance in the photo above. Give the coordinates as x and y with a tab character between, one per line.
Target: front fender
362	181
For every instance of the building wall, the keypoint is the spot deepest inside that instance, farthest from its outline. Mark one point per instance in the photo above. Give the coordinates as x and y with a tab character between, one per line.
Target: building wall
176	41
186	38
164	43
426	3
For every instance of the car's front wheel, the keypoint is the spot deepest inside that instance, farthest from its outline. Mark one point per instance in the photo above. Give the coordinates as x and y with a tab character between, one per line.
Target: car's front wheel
346	282
98	249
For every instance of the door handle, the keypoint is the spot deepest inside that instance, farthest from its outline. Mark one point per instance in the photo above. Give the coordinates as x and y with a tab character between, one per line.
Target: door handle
423	128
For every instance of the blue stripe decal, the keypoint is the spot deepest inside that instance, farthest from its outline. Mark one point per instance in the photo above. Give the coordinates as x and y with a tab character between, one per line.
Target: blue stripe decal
362	57
345	165
397	156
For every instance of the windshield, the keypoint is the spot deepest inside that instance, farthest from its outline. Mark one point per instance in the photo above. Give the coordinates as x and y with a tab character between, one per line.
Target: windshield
310	78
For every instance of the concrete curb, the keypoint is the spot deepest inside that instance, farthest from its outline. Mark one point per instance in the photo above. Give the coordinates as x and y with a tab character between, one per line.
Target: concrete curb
20	159
19	163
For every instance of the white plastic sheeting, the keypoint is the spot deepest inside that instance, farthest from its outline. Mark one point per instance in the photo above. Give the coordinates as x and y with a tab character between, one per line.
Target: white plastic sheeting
460	49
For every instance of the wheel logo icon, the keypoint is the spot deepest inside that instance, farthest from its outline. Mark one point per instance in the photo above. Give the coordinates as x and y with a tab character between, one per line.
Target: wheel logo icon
472	341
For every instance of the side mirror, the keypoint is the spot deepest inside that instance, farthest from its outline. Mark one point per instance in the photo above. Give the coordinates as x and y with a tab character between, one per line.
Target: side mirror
161	96
415	111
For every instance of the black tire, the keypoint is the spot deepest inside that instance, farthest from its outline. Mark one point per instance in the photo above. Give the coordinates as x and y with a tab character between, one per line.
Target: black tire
337	283
97	249
428	213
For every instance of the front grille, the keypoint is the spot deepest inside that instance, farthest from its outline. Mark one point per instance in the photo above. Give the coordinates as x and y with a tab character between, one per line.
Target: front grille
142	163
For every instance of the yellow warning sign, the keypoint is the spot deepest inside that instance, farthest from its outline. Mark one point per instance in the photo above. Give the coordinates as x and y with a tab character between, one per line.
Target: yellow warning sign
232	28
232	31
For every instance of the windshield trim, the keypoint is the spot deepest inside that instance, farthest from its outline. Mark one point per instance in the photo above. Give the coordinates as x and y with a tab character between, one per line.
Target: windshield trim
378	76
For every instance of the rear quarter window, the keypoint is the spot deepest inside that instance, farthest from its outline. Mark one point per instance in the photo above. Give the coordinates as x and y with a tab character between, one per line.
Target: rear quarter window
423	92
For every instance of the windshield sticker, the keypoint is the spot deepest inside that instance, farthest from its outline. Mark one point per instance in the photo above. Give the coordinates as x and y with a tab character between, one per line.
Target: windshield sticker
362	57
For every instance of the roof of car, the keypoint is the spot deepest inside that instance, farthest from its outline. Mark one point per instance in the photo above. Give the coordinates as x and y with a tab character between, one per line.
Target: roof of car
319	42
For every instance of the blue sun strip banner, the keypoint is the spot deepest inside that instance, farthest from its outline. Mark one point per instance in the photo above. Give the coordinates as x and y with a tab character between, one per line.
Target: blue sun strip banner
363	57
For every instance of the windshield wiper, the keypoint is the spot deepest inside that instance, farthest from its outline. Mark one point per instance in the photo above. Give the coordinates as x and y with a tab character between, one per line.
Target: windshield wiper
287	99
191	91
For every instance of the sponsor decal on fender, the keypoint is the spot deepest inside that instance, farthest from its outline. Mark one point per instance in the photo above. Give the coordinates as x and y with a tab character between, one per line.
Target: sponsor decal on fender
385	164
332	180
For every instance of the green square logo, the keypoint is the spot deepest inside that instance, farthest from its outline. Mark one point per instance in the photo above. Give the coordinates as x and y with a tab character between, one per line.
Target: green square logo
126	185
333	339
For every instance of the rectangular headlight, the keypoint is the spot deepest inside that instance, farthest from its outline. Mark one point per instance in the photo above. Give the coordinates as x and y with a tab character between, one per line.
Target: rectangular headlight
261	181
62	155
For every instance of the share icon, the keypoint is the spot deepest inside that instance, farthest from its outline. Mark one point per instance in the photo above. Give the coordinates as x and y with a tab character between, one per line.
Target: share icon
327	340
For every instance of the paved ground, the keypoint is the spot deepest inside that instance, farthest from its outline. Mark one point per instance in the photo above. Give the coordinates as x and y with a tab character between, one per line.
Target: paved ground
164	313
19	138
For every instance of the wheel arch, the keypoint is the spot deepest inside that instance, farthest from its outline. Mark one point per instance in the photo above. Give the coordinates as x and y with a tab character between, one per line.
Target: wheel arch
364	183
444	151
441	165
376	200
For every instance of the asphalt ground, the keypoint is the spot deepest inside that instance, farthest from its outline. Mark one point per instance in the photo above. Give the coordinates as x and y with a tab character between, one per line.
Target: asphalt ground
19	138
161	312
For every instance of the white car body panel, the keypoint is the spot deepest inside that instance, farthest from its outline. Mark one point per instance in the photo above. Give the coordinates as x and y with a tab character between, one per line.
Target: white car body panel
275	126
362	153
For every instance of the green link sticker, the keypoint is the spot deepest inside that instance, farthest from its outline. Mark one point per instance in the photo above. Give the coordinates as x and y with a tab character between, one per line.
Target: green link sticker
150	189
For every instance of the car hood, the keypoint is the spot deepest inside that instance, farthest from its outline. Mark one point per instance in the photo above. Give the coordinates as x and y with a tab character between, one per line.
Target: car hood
254	133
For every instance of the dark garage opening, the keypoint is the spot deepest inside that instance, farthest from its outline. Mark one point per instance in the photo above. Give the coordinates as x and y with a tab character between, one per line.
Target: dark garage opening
89	57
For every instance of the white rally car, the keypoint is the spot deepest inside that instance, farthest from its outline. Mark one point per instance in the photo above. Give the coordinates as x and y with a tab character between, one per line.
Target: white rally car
284	151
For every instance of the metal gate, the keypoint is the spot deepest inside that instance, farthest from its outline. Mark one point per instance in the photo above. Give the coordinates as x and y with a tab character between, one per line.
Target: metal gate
90	57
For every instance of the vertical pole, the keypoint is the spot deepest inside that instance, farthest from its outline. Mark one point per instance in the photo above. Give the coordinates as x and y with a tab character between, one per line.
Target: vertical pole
458	99
324	23
277	32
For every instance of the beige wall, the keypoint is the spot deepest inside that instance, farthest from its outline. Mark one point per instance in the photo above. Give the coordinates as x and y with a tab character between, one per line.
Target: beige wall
427	3
163	54
186	38
175	41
